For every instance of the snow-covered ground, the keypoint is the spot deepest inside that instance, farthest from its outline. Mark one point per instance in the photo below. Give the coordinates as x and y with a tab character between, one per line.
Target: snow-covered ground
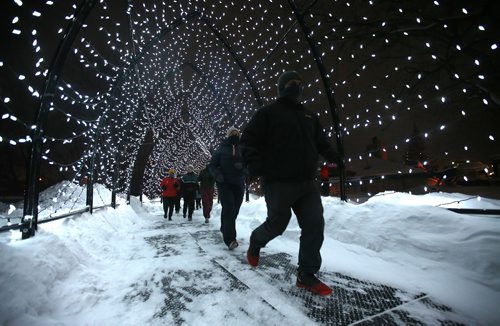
77	271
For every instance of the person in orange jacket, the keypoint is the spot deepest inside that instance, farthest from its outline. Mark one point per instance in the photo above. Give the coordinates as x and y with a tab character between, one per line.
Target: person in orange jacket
170	187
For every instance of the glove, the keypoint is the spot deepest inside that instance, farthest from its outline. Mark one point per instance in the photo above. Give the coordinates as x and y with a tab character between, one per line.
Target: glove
164	187
219	178
238	165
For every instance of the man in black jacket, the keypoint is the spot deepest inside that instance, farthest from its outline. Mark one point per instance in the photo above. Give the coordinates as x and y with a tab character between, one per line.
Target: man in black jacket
281	144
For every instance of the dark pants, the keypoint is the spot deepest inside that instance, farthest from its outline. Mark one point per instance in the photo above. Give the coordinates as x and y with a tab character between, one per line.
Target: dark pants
168	206
231	197
305	201
178	203
207	200
188	205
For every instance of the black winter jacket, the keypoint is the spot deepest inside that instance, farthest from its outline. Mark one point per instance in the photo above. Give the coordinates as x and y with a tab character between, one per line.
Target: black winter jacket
227	164
206	179
282	142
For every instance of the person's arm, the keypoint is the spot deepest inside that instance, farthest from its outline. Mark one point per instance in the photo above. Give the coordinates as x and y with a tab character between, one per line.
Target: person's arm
214	166
324	147
252	143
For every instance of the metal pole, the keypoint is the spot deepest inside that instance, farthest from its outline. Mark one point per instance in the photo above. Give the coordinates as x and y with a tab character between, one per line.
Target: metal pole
329	93
115	179
90	181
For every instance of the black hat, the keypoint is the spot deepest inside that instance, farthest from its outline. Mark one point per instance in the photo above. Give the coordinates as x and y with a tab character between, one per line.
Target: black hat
285	78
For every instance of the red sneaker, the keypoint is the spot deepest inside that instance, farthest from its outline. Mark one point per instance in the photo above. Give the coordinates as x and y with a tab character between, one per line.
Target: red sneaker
253	255
313	284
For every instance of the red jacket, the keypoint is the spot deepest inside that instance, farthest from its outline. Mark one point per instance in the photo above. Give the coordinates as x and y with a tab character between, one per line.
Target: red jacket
170	187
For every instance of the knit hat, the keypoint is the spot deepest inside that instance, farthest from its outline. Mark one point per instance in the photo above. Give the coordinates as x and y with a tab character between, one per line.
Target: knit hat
285	78
231	130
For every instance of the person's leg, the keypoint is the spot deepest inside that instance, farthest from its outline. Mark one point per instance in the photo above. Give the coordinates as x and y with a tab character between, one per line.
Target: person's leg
309	211
207	198
238	192
279	199
171	206
165	207
210	201
185	206
177	204
226	198
204	202
191	206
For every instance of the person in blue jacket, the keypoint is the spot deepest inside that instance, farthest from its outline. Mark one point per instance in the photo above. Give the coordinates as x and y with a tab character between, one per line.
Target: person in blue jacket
226	165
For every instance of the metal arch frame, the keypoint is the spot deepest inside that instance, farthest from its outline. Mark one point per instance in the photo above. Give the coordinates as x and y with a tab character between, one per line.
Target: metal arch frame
329	93
54	72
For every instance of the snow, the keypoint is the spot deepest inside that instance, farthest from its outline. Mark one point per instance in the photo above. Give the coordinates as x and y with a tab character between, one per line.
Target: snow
99	269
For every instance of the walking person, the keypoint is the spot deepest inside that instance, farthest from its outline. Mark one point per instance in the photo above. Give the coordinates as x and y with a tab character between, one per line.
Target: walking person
281	144
170	187
207	182
226	166
189	188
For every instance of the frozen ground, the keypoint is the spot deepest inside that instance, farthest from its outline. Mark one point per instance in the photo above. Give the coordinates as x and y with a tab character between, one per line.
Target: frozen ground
130	267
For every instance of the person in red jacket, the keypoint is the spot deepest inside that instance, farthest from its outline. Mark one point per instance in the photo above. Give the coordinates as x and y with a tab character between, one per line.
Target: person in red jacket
170	187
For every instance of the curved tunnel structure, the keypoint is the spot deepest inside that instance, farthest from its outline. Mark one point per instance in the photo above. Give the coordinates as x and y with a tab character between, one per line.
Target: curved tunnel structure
117	93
